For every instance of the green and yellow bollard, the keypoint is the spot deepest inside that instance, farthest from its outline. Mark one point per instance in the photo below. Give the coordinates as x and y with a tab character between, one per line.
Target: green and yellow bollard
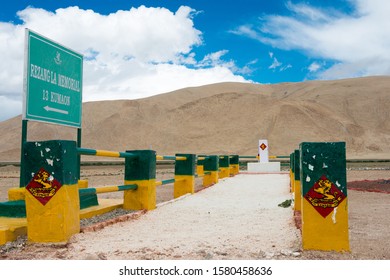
224	167
211	166
292	176
140	170
297	182
199	165
52	196
184	175
234	165
324	197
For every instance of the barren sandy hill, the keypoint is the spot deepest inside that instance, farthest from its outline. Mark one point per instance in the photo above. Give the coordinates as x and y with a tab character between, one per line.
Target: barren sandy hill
229	118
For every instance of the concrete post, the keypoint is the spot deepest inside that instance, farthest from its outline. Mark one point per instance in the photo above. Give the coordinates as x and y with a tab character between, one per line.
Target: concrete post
184	175
297	182
199	166
52	194
224	167
324	196
292	176
140	170
234	165
211	166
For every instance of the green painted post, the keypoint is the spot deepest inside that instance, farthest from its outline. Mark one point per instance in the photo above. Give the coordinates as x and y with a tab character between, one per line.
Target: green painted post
292	175
224	166
211	163
200	166
297	165
185	167
324	196
184	175
58	157
140	170
52	196
297	182
211	167
234	164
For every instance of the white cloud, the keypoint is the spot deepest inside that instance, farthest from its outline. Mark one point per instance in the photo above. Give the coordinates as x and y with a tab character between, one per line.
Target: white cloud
359	42
314	67
149	80
148	34
275	64
214	59
285	67
128	54
8	107
249	68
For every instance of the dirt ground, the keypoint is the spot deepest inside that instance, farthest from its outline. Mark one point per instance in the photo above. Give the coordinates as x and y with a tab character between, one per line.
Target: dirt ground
369	207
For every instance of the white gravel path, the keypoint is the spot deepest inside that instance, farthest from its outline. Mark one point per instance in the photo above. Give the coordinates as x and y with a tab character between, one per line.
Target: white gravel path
238	218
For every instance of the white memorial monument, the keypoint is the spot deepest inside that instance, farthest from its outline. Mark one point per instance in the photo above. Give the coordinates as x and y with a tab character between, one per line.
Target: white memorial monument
264	165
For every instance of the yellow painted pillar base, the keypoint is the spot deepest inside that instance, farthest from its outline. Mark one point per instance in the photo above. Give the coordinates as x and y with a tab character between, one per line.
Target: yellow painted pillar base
83	184
16	194
326	234
144	197
210	179
56	221
297	195
183	184
292	179
224	172
199	170
234	169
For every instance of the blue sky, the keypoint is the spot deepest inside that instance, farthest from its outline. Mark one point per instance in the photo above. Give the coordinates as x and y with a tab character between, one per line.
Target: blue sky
134	49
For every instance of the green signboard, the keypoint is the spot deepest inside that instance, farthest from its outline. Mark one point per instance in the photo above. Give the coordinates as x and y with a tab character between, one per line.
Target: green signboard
53	82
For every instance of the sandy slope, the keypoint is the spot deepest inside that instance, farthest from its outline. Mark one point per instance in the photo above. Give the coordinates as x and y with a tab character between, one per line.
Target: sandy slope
230	118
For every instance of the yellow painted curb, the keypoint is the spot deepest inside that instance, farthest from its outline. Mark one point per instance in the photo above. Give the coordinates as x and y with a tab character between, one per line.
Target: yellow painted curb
11	228
105	205
16	194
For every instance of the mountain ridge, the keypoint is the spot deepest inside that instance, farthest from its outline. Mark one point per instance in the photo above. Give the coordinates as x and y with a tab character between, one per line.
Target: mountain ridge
229	118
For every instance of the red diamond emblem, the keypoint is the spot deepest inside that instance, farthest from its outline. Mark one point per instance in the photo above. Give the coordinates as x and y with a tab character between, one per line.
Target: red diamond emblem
263	146
324	196
43	186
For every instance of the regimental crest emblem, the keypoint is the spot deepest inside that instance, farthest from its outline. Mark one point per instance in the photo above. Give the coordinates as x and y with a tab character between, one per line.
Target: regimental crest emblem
43	186
324	196
57	59
263	146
